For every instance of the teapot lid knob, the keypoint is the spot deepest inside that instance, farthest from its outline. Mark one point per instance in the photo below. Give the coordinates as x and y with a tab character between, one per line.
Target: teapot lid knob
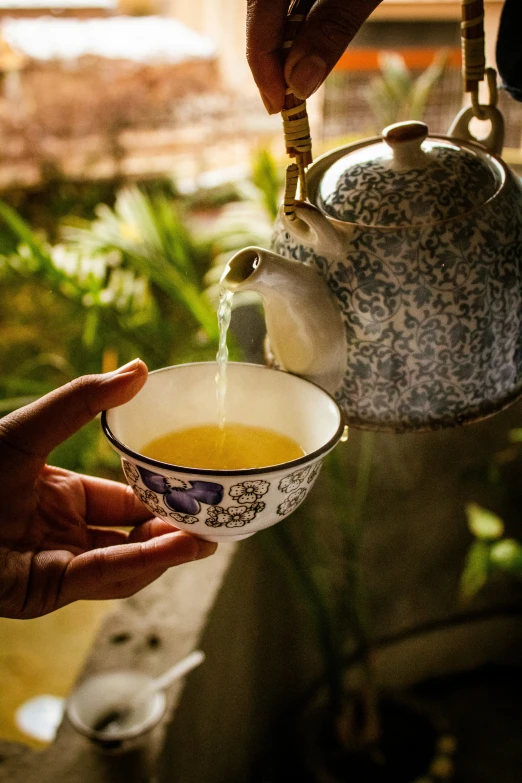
405	139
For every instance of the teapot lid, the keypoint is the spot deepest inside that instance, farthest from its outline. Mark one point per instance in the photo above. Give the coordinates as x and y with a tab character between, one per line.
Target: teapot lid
407	178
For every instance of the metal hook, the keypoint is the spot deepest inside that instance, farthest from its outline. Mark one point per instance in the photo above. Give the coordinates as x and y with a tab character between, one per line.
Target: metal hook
494	141
478	107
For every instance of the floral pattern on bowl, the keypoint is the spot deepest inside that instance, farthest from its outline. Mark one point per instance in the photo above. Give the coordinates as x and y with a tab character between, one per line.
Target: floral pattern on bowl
213	504
192	502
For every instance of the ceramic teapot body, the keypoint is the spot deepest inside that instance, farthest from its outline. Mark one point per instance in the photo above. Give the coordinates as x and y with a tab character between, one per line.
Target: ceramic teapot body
426	276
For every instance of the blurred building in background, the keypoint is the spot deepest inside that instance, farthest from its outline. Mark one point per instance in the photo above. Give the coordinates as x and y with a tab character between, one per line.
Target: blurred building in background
224	22
79	9
94	89
416	33
89	92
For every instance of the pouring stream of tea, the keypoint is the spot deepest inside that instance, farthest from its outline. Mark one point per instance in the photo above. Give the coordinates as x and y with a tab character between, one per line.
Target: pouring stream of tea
224	315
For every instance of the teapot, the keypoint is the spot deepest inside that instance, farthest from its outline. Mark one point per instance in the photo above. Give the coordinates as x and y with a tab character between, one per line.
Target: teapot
397	285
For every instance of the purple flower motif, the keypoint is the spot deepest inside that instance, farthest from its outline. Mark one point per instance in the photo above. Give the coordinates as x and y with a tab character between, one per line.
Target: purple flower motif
182	500
153	480
176	483
207	492
182	496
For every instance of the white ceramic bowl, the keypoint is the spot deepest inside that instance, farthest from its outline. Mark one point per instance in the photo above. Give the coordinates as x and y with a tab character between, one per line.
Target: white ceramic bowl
223	505
102	694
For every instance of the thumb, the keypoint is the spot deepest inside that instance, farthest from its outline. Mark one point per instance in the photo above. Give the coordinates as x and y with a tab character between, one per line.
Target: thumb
329	28
36	429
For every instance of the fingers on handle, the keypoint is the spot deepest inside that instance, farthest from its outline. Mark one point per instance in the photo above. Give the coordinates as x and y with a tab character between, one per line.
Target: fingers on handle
120	571
329	28
36	429
265	24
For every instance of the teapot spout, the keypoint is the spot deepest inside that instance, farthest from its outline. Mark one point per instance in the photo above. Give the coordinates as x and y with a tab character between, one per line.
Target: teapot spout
304	323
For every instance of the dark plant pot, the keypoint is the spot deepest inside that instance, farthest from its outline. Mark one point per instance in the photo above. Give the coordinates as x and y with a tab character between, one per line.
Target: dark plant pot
411	748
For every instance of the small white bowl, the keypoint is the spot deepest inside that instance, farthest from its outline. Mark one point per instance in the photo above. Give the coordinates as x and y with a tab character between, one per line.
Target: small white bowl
102	694
223	505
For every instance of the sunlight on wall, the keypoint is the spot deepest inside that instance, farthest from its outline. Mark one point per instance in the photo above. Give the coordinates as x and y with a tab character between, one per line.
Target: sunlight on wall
44	656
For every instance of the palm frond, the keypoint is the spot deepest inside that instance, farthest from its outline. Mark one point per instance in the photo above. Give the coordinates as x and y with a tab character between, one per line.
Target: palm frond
155	244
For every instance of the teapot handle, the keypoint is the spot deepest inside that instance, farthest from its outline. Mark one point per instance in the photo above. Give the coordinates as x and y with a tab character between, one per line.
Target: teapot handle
494	141
308	226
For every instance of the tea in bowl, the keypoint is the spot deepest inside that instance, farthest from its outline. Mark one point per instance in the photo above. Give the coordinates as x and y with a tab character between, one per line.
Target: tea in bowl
223	483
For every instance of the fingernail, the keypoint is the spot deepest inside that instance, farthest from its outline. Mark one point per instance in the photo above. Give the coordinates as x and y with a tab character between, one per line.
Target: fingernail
306	75
129	367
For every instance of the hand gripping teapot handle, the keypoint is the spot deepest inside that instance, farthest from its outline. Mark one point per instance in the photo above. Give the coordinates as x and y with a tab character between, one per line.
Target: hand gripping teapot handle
494	141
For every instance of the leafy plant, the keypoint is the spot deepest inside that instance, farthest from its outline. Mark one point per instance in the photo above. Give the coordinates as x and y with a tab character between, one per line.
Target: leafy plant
267	180
395	95
246	222
128	284
153	240
489	553
492	552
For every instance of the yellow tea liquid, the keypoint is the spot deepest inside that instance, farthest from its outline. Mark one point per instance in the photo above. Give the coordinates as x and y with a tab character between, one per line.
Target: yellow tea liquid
232	447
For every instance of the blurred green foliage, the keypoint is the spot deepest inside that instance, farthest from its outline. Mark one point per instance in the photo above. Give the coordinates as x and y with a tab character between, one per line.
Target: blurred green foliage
396	95
246	220
490	553
45	207
493	552
95	274
128	282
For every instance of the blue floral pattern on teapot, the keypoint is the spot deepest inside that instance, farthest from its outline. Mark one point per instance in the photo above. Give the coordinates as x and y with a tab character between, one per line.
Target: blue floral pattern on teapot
430	291
431	320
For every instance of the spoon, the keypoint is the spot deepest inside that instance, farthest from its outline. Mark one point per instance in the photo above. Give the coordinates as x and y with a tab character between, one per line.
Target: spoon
112	721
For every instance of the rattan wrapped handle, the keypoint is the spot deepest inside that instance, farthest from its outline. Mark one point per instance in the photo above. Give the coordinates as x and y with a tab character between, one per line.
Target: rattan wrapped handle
473	43
296	126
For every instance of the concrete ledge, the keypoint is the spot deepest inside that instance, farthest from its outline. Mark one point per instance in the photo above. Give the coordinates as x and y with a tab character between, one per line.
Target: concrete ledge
149	632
